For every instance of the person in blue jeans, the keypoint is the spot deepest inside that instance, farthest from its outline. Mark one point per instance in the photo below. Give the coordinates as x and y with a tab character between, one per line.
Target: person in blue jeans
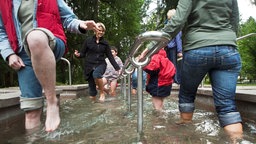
174	49
32	40
135	81
209	48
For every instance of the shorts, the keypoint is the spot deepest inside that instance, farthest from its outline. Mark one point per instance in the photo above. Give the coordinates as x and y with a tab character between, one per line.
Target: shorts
31	90
157	91
51	37
99	71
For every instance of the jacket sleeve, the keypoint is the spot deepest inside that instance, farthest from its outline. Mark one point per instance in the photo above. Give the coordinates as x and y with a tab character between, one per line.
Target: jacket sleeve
69	20
179	42
119	62
111	58
179	19
83	50
154	64
235	16
5	47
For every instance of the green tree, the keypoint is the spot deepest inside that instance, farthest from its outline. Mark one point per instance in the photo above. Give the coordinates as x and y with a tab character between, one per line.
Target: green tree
123	23
247	49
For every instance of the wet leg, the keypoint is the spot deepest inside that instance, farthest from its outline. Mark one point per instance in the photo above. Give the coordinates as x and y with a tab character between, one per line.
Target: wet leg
185	118
113	88
99	82
158	103
33	119
234	131
106	87
44	65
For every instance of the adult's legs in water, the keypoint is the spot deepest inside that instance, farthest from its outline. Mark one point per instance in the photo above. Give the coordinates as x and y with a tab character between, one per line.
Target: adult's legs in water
44	65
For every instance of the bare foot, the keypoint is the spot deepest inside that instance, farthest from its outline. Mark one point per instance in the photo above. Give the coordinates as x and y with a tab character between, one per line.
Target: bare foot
181	122
52	117
134	91
113	93
106	91
102	98
93	98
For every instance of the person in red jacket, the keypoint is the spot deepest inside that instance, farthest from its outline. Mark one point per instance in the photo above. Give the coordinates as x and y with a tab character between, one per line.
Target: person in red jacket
32	40
160	78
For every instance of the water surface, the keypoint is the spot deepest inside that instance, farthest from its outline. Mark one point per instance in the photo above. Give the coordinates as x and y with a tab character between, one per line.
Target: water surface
84	122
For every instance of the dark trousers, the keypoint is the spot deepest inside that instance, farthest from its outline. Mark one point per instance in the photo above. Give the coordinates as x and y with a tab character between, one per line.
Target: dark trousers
172	56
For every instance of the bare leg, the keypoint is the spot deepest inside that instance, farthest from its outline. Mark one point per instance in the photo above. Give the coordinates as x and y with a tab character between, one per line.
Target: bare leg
105	86
93	98
113	88
99	82
158	103
33	119
44	65
185	118
134	91
235	132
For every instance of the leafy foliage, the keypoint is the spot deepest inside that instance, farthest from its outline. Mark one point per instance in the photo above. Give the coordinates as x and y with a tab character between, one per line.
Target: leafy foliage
247	49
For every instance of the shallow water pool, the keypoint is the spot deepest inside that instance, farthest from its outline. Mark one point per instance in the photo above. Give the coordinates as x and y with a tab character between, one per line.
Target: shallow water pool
84	122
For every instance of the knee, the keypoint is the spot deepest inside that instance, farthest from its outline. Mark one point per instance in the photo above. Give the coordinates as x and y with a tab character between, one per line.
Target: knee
37	40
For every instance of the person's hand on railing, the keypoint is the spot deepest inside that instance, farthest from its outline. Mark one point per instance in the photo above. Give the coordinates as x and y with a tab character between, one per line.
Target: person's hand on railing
143	54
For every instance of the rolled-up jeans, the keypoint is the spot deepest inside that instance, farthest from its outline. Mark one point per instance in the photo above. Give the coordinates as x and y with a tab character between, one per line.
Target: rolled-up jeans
31	90
223	64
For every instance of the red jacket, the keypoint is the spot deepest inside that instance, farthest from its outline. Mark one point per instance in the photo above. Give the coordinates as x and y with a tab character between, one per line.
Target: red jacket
48	16
160	62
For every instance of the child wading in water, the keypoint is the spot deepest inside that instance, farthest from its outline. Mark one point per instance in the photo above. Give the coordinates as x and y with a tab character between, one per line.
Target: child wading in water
160	78
111	75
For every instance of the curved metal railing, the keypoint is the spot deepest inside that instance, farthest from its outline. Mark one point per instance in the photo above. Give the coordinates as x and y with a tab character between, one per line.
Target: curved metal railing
245	36
160	40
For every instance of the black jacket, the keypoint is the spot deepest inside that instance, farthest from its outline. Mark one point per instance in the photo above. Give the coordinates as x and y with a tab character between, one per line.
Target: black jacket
95	54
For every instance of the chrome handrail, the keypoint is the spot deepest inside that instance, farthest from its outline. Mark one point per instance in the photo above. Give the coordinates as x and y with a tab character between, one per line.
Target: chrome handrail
245	36
161	39
69	69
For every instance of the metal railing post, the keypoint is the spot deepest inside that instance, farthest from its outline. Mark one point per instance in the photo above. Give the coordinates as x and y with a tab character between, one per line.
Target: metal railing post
140	100
129	92
69	69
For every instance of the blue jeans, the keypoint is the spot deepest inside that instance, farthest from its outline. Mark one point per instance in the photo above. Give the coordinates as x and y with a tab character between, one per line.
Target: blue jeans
135	79
223	64
31	89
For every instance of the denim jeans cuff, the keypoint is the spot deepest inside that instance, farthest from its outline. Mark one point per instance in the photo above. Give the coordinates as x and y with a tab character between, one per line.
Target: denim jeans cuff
186	107
229	118
28	104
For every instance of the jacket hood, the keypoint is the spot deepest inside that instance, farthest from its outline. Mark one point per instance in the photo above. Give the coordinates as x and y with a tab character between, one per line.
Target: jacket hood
162	53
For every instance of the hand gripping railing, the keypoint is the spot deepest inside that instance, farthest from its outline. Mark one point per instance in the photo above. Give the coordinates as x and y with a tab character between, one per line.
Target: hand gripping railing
161	39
